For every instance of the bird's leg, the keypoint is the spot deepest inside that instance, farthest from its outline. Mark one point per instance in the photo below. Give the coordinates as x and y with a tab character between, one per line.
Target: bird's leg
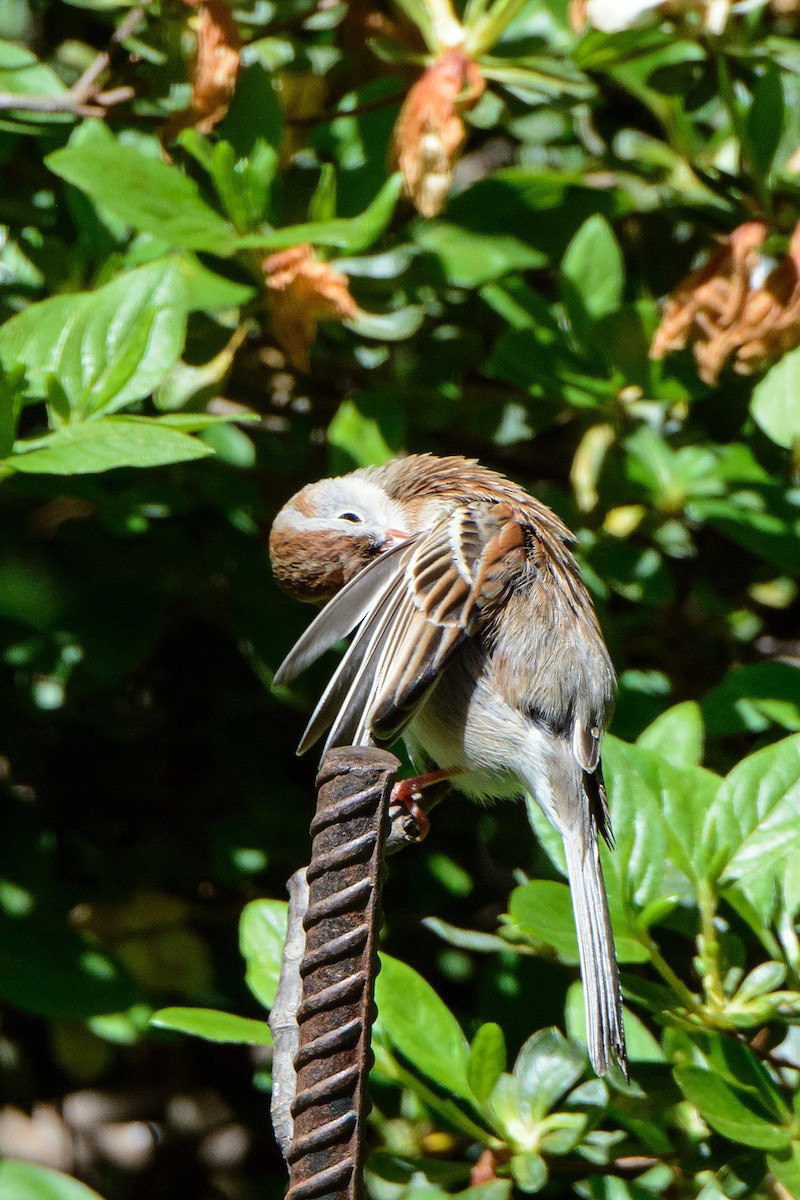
408	808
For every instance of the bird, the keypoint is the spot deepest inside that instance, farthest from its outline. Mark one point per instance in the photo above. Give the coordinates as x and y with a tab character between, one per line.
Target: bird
472	635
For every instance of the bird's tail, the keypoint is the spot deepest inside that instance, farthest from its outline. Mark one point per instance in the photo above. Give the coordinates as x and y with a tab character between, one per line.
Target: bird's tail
601	991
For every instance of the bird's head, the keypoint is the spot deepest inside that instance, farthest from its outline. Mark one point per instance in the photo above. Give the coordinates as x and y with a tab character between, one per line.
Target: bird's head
329	531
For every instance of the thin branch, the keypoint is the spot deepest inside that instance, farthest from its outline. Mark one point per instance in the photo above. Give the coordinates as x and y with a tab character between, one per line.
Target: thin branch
369	106
83	99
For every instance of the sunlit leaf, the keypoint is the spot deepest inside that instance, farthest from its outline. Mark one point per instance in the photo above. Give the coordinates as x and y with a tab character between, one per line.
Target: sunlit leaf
774	404
677	735
755	819
487	1060
27	1181
735	1114
105	444
213	1025
145	192
101	351
262	933
421	1028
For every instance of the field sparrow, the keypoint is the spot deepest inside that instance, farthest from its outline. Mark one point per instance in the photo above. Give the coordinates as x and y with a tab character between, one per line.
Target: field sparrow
475	638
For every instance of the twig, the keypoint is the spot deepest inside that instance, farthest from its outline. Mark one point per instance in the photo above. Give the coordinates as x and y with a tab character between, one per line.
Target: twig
83	99
358	110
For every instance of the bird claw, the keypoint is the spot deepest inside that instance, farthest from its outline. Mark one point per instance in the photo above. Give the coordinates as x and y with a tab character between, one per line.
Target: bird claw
410	823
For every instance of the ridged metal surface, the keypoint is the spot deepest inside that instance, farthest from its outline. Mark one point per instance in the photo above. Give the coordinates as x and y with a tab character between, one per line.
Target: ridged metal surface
338	971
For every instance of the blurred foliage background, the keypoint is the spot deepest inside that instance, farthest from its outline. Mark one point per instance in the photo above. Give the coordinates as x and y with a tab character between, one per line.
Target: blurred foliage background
244	246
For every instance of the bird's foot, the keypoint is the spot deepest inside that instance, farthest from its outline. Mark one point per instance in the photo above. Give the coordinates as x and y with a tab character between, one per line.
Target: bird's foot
407	808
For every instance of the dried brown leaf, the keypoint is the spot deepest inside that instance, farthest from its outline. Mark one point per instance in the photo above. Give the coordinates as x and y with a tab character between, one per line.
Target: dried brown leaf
430	133
301	292
214	72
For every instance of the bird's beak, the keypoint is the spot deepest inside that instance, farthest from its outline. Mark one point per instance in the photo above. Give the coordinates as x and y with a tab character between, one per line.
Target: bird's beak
394	537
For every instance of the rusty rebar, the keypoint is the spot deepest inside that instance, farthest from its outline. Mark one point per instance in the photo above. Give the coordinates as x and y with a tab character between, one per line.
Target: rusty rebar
338	969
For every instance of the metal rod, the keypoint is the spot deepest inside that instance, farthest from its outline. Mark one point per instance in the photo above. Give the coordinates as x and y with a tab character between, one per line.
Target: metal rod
324	1142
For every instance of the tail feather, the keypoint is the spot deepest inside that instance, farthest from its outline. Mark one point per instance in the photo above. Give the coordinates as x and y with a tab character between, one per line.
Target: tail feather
601	989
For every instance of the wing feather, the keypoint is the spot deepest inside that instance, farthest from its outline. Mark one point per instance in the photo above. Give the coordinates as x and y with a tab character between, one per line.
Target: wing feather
342	690
349	726
410	610
343	613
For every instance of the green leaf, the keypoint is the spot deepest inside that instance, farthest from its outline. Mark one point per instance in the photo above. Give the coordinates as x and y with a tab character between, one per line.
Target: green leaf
105	444
538	75
393	326
209	292
765	978
12	390
106	349
495	1189
785	1166
775	406
470	258
322	205
736	1115
465	939
754	823
682	795
262	933
515	220
597	51
213	1025
593	272
359	436
761	529
243	184
686	793
765	119
421	1028
487	1060
542	909
419	14
230	444
638	860
754	697
740	1068
529	1171
424	1175
547	1067
26	1181
350	234
144	192
676	735
549	838
21	74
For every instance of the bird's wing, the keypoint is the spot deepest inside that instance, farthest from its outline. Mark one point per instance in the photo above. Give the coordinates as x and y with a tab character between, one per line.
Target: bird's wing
410	609
343	613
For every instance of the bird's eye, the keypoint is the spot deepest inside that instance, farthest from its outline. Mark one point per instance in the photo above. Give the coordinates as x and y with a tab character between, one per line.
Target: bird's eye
350	516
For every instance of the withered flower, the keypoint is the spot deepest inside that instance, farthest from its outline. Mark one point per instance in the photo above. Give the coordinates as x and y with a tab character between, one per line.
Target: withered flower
301	292
216	67
741	305
429	132
770	322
